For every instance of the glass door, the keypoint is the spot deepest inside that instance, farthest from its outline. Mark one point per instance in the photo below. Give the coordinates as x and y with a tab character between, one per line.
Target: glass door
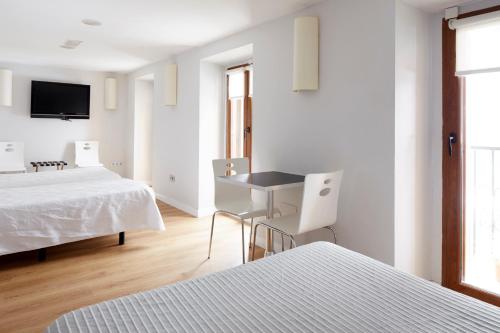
239	112
481	227
471	156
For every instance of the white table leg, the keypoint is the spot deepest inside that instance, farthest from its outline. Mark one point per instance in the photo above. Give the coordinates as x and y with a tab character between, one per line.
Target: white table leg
269	215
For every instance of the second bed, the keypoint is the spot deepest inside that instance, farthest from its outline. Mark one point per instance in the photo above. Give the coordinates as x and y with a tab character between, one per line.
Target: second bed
52	208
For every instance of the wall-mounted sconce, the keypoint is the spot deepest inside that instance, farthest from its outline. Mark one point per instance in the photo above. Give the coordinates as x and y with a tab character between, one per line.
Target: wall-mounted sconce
110	93
306	54
170	90
5	87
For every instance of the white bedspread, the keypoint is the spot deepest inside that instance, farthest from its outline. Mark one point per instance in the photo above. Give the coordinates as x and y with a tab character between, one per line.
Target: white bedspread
34	217
314	288
56	177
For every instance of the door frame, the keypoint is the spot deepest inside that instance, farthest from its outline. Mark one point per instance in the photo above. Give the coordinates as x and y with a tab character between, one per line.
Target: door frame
453	169
228	120
247	123
247	114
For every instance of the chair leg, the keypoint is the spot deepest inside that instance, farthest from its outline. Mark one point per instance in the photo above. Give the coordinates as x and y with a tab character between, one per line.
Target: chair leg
332	229
250	238
292	241
243	239
334	236
282	243
254	239
211	235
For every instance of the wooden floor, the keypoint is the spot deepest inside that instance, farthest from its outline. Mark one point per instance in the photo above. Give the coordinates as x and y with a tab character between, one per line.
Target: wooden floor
34	294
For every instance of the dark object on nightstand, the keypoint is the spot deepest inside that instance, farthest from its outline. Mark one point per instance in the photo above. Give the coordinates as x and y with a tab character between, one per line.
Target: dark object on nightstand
59	164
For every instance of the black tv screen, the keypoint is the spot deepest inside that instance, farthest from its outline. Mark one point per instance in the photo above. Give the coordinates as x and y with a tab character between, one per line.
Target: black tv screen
60	100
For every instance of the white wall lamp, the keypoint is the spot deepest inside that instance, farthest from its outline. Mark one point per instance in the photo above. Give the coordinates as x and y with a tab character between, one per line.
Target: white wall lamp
110	93
306	54
170	85
5	87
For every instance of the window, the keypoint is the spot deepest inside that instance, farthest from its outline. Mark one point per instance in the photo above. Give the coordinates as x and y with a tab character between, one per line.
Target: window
239	112
471	156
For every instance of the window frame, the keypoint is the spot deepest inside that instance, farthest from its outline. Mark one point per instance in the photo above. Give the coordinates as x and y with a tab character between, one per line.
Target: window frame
453	169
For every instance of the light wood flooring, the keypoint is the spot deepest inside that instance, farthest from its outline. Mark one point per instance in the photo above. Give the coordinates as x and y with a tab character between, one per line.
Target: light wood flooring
33	294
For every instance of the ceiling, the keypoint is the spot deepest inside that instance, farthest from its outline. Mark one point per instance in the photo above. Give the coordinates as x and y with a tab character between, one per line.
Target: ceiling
133	32
231	57
436	5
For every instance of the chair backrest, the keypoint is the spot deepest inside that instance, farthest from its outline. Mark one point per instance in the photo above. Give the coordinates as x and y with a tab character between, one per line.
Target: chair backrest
226	192
11	156
320	200
87	153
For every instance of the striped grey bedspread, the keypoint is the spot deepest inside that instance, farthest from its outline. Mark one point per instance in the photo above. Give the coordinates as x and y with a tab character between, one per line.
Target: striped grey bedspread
314	288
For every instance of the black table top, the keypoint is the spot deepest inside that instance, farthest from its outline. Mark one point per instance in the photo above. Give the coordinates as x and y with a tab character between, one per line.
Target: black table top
266	181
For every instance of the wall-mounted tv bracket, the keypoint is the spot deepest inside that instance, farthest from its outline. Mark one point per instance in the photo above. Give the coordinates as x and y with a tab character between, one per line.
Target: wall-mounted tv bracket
59	164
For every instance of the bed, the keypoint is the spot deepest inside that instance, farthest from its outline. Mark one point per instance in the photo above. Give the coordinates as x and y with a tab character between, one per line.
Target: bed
56	177
314	288
40	210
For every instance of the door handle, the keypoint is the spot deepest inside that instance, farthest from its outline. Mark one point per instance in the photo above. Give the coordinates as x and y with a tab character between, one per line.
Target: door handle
452	139
246	131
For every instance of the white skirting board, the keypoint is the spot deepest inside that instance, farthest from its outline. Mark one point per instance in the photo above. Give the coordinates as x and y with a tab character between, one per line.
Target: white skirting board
177	204
261	239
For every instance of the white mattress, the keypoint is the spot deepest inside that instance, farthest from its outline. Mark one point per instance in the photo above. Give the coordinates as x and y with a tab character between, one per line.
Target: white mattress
314	288
56	177
34	217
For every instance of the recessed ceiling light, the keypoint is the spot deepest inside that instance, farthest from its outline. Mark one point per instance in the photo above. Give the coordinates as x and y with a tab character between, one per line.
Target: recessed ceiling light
71	44
91	22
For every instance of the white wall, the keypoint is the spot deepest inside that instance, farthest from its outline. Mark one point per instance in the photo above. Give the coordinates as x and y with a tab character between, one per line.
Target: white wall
347	124
175	136
211	138
436	123
412	133
143	130
352	113
52	139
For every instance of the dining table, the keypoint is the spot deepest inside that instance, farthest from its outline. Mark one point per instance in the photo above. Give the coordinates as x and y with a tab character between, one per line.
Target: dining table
268	182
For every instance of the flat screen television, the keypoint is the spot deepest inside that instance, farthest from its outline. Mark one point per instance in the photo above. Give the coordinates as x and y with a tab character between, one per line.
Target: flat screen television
60	100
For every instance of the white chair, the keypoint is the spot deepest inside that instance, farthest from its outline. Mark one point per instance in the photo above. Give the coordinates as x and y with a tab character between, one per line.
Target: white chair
319	209
234	200
12	157
87	154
